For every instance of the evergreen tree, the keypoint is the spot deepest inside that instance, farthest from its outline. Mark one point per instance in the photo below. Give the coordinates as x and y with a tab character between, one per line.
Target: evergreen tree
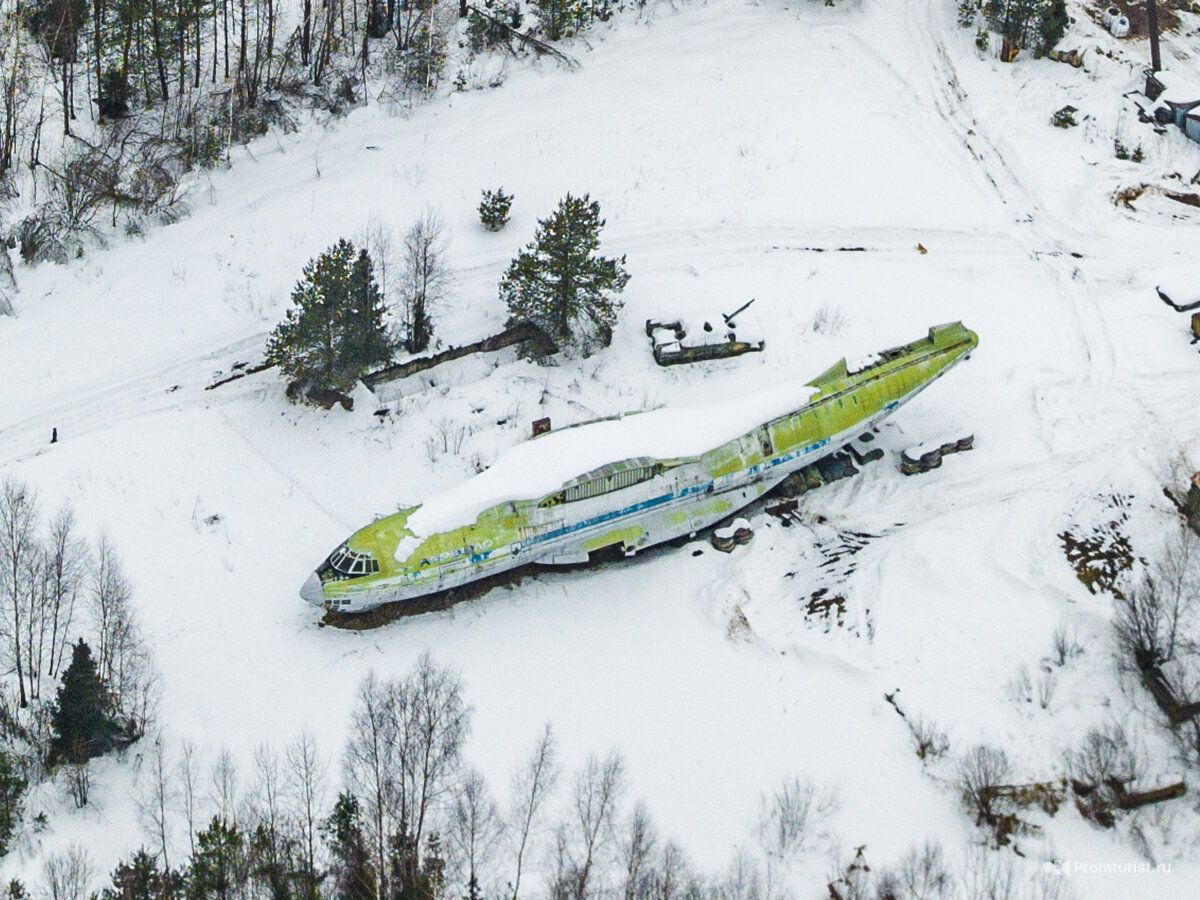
272	855
353	874
335	331
12	788
493	209
141	879
557	17
1054	24
560	284
1020	22
83	722
219	868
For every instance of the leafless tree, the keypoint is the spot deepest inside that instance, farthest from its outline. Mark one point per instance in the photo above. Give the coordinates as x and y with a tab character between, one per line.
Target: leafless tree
1106	755
379	240
188	783
790	820
14	89
638	851
441	721
223	778
1141	627
532	784
980	772
371	766
66	569
305	790
673	877
18	542
109	596
924	874
36	619
424	278
123	661
930	740
1064	645
475	830
742	879
158	798
68	875
79	781
267	810
584	839
1177	580
404	748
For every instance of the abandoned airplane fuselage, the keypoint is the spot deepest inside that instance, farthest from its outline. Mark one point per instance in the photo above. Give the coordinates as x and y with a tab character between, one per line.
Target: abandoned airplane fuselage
661	483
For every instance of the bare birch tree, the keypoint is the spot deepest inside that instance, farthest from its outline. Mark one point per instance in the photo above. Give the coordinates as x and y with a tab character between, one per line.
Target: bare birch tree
584	839
188	784
223	777
306	790
266	804
66	570
110	593
424	278
638	850
158	798
475	830
441	720
532	784
18	542
67	875
371	766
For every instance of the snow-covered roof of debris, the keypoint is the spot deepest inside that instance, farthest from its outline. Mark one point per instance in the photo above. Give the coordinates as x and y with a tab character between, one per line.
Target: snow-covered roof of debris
542	465
1177	88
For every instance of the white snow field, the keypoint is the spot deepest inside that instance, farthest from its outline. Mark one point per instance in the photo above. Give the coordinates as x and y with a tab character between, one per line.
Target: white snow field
734	148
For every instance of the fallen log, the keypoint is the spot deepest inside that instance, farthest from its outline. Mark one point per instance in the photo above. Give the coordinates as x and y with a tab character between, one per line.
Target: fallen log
529	40
523	331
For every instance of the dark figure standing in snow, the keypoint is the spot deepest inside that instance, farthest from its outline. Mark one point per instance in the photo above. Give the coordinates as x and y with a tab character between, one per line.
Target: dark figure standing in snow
54	436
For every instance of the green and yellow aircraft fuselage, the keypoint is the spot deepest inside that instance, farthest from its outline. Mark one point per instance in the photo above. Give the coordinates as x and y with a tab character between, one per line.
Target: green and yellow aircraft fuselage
628	504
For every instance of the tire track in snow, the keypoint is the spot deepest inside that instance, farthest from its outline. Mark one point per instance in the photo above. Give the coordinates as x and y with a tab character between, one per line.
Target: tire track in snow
175	386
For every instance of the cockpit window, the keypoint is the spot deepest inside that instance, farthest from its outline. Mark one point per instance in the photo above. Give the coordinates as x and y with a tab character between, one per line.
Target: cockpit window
346	563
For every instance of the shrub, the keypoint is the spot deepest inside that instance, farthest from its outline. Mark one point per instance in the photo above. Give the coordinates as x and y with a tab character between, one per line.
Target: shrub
493	209
1064	118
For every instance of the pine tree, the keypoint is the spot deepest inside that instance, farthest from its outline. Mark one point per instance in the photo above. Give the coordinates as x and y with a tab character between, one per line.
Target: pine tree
493	209
335	330
353	874
560	284
1055	20
83	723
141	879
219	869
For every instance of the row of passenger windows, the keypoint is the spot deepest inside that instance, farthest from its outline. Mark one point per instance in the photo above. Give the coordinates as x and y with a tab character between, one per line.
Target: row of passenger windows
348	562
604	484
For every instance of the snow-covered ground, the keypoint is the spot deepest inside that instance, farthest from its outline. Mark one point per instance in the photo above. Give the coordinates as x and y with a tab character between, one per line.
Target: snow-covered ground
734	148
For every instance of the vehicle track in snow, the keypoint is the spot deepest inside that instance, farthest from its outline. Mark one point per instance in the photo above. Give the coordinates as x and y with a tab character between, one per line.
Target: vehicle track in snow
178	385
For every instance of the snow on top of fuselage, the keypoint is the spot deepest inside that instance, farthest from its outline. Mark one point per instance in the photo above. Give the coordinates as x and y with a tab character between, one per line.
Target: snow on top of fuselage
540	466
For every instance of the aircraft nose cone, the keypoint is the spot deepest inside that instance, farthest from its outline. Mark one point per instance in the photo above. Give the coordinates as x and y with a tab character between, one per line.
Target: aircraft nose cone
311	590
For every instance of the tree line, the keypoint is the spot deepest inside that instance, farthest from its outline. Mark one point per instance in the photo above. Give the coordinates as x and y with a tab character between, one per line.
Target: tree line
402	815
